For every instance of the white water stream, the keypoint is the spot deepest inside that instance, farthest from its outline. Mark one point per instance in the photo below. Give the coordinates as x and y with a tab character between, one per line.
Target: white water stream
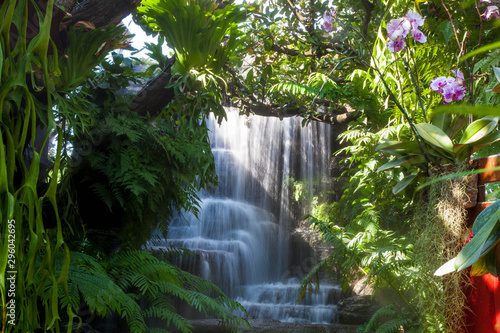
242	238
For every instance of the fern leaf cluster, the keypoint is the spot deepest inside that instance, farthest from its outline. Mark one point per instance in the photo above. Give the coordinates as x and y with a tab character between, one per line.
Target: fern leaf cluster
140	288
388	320
135	168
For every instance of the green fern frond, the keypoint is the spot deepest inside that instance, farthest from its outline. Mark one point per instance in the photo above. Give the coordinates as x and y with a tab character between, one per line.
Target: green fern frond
160	330
394	325
306	285
320	80
387	311
292	89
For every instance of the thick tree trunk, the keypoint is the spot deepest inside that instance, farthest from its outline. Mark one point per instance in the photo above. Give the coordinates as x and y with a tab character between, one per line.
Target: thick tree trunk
103	12
154	96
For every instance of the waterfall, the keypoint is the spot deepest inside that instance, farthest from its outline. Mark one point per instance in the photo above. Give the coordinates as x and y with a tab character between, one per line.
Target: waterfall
241	240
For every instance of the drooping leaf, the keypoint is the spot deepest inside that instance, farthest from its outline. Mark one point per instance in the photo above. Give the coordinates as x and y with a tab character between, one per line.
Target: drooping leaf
407	159
472	250
404	183
486	222
477	110
446	268
483	217
486	264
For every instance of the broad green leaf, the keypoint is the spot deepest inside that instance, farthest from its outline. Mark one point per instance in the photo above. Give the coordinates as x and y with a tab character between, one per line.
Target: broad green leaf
446	268
442	121
459	123
403	183
398	148
496	70
461	151
491	241
483	217
487	140
472	250
477	110
435	136
442	155
478	129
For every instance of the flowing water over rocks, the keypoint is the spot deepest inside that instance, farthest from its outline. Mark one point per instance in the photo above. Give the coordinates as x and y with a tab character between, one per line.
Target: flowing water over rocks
242	239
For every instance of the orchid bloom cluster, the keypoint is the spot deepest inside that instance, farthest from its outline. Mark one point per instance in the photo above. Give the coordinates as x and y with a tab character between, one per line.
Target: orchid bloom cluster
452	89
328	16
398	30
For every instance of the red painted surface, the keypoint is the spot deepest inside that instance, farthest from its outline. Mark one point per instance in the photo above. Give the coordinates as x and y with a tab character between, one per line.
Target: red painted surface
484	294
484	303
484	300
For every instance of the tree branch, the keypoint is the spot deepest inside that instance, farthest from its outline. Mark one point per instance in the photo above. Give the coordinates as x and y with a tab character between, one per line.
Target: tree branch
251	104
320	51
273	110
368	16
154	96
298	15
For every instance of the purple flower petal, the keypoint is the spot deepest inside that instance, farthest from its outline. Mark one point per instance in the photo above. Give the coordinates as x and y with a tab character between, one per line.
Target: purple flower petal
398	29
492	12
328	26
458	73
395	46
416	20
327	16
418	36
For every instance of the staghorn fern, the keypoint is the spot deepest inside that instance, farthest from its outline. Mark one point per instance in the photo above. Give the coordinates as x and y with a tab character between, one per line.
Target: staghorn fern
85	51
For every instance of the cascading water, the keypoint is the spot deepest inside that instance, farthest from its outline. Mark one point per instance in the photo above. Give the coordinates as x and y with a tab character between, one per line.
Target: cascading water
242	238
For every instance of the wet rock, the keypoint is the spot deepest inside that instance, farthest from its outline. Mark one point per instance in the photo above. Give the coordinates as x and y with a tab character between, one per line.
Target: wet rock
273	326
356	310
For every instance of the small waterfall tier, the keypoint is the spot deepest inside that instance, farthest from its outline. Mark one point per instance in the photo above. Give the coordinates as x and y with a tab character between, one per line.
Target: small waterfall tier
241	239
278	301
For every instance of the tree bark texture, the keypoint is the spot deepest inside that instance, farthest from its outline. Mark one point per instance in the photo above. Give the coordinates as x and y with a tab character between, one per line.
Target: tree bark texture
154	96
103	12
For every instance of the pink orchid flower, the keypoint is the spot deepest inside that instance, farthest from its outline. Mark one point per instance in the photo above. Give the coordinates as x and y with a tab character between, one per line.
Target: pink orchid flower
398	30
492	12
451	89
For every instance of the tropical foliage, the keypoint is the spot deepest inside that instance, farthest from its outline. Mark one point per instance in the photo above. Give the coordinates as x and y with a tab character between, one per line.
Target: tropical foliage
378	233
109	172
78	165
